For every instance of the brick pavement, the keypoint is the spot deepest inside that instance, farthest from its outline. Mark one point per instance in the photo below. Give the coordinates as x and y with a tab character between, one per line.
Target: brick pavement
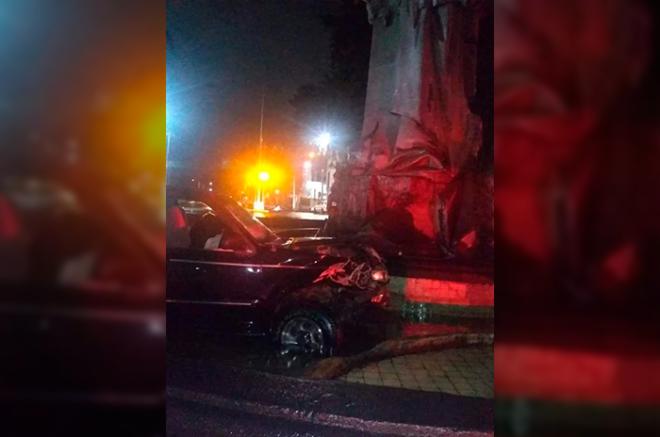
463	371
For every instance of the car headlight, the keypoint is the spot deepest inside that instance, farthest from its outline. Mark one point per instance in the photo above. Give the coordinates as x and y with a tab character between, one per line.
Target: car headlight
380	275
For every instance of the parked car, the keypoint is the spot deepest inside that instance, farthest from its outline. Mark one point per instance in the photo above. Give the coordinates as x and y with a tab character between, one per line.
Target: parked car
227	271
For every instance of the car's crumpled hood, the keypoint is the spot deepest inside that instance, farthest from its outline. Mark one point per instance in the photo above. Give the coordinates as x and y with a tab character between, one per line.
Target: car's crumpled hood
333	247
354	262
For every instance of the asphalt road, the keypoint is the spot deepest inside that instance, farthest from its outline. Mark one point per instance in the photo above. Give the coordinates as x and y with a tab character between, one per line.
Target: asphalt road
191	418
205	398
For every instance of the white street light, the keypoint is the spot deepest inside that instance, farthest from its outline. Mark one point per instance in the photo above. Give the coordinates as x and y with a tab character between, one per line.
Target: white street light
323	141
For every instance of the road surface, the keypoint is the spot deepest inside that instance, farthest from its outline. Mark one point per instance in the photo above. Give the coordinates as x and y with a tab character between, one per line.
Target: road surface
216	399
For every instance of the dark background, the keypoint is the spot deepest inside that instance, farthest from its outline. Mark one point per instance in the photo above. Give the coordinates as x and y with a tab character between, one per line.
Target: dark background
308	58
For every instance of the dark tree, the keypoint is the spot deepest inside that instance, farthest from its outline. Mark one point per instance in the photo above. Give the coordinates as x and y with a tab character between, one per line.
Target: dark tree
338	100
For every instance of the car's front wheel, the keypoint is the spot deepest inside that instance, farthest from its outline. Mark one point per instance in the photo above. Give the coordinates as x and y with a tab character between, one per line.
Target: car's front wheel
307	332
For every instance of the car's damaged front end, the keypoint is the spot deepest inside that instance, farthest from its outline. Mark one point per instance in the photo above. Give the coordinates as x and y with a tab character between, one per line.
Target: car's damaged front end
353	280
350	265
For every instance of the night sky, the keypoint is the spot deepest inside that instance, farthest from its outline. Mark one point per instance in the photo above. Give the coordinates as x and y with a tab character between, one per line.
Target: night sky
221	55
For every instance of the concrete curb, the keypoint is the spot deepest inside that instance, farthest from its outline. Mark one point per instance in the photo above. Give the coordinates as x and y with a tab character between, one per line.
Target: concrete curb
334	367
319	418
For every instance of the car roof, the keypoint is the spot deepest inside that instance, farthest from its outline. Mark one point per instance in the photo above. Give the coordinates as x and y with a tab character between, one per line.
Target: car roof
193	206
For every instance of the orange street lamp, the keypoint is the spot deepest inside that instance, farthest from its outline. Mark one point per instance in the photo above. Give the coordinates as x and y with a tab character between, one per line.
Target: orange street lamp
259	203
264	176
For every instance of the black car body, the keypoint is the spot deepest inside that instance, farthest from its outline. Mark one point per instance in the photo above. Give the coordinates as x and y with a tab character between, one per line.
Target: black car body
226	270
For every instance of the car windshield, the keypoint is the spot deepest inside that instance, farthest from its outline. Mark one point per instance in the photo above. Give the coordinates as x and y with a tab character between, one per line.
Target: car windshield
257	230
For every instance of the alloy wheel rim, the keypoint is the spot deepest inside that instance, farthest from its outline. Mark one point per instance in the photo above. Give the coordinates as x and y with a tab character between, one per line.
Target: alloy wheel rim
302	334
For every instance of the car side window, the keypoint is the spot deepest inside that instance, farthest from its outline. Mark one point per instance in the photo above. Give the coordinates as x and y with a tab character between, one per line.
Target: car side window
234	241
207	232
204	229
210	233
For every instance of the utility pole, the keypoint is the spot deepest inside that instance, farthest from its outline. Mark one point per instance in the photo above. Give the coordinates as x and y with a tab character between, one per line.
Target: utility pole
259	203
261	125
293	194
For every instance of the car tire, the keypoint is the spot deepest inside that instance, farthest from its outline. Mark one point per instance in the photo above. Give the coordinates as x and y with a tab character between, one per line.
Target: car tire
306	332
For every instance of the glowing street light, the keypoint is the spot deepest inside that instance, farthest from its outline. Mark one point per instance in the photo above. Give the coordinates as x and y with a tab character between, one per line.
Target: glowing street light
264	176
323	140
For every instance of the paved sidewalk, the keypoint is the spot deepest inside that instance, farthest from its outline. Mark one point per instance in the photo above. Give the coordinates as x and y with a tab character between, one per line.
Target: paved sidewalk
463	371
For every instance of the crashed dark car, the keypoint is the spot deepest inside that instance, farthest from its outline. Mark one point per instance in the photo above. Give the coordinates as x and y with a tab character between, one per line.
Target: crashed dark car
227	271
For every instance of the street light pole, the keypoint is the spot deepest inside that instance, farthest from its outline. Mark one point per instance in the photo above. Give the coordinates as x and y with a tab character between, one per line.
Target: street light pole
259	201
293	195
261	126
168	140
323	142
